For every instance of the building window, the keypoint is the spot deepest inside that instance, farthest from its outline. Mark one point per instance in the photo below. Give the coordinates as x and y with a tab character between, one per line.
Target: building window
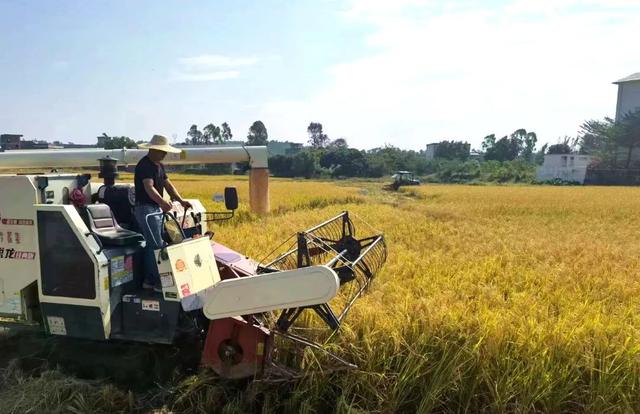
564	161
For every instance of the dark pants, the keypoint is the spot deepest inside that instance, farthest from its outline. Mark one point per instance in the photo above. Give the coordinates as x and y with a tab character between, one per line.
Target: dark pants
151	227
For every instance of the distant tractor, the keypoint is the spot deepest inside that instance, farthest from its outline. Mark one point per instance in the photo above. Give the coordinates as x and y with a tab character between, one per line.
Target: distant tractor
401	178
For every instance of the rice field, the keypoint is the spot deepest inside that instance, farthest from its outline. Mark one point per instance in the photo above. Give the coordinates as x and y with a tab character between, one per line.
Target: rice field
493	299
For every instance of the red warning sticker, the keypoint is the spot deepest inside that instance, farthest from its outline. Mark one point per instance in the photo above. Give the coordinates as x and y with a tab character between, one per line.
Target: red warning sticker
186	291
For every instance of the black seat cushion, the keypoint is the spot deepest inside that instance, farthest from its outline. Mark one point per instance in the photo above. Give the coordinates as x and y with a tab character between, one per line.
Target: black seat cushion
102	223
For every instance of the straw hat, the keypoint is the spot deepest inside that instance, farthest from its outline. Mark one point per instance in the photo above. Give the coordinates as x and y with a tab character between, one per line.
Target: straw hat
160	143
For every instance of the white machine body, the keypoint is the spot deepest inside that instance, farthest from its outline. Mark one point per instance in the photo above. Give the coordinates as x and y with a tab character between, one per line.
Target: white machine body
19	252
271	291
187	268
189	273
23	196
51	262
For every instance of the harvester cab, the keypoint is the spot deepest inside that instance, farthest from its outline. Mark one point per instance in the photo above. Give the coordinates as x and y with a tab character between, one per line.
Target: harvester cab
71	261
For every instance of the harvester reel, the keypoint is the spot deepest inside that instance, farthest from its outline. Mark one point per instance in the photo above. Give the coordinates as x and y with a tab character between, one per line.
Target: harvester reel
334	244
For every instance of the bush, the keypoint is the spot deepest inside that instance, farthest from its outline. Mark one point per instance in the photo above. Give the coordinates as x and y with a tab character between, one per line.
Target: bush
380	162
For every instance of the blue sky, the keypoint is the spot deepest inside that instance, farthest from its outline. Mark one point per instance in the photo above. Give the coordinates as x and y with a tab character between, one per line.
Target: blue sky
403	72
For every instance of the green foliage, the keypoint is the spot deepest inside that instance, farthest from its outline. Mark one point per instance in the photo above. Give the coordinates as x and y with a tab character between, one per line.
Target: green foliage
628	135
303	164
538	158
517	171
226	132
453	150
521	144
339	143
528	140
344	162
281	165
338	161
257	134
388	159
612	142
118	142
381	162
504	149
317	139
559	149
455	171
598	138
195	136
211	134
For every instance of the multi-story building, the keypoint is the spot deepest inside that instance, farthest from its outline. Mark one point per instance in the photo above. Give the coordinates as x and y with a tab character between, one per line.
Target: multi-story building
10	142
628	95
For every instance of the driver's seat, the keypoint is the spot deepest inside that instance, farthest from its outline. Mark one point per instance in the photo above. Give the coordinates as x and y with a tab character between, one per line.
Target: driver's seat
104	225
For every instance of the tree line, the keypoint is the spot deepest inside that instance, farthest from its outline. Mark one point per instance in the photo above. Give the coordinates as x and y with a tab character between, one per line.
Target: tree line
512	157
506	159
612	143
211	134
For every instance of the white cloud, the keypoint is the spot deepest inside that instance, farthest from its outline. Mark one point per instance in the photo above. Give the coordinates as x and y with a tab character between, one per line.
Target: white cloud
205	62
210	67
561	6
206	76
455	71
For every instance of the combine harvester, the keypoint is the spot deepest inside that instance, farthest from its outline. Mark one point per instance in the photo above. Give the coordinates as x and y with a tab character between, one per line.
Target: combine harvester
402	178
70	261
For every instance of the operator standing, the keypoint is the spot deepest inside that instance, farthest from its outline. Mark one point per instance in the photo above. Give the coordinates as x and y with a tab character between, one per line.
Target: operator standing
150	182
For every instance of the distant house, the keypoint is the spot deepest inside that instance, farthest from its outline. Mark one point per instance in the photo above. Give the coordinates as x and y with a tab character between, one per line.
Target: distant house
102	140
34	144
566	167
476	155
452	150
283	148
628	95
15	142
628	101
10	142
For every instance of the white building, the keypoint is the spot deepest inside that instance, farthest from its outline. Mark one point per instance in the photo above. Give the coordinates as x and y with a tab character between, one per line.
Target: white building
431	151
628	95
567	167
